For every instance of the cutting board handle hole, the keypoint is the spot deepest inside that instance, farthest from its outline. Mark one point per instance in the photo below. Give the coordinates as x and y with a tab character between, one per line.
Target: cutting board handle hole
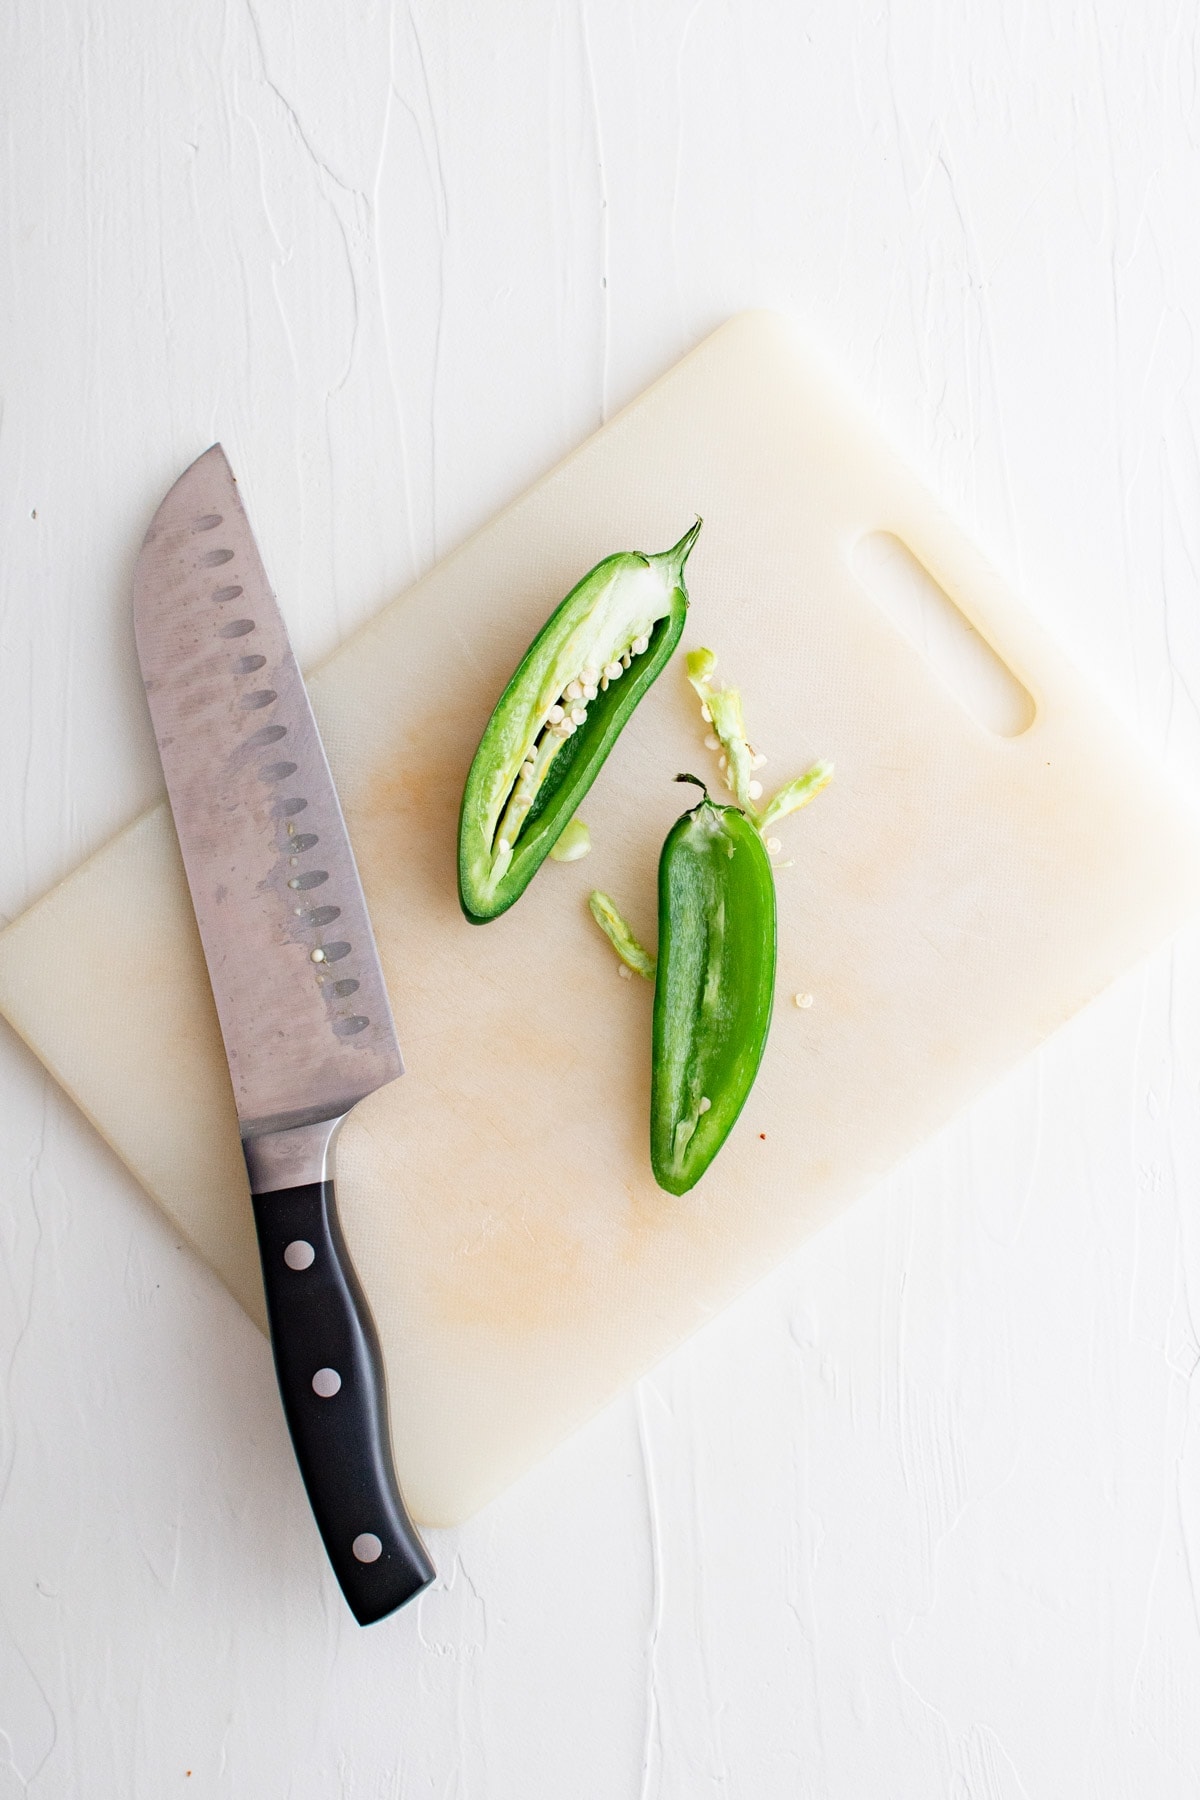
922	610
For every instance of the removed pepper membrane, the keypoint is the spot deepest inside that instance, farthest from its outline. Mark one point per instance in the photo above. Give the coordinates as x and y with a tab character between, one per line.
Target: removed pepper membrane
560	715
714	988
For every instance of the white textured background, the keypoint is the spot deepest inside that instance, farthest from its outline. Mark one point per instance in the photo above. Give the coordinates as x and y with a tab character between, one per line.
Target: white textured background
921	1517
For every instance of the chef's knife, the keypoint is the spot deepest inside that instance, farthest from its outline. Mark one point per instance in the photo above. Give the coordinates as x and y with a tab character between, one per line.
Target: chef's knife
298	988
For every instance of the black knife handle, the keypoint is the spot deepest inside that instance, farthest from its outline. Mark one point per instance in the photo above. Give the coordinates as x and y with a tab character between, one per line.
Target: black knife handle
334	1398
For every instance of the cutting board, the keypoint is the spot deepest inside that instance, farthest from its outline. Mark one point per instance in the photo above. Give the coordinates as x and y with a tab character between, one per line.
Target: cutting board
955	894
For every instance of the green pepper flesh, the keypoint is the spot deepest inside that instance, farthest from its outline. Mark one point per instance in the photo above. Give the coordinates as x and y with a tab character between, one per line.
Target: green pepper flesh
529	773
714	989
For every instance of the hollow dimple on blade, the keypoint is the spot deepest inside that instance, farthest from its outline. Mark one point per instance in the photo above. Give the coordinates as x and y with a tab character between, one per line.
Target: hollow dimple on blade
272	875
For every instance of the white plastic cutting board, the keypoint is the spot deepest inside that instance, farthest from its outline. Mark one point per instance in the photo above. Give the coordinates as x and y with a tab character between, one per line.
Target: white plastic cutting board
954	896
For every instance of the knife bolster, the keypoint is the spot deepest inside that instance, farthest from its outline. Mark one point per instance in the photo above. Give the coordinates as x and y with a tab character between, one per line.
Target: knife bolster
295	1158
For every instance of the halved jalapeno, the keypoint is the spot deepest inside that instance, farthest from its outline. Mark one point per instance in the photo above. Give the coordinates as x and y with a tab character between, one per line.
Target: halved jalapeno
560	715
714	986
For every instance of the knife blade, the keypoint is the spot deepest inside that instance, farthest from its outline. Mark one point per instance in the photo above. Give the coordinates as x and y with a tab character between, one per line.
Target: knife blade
299	992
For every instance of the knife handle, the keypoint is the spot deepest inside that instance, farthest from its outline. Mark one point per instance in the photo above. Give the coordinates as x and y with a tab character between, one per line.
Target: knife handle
332	1384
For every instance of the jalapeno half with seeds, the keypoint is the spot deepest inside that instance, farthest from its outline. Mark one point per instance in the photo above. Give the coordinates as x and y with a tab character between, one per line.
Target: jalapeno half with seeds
559	717
714	987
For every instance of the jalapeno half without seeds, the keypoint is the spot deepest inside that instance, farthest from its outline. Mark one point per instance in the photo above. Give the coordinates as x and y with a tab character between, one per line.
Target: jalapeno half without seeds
559	717
714	987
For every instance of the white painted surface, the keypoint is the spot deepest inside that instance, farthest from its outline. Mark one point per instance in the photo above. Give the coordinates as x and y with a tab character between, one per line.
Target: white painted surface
920	1516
